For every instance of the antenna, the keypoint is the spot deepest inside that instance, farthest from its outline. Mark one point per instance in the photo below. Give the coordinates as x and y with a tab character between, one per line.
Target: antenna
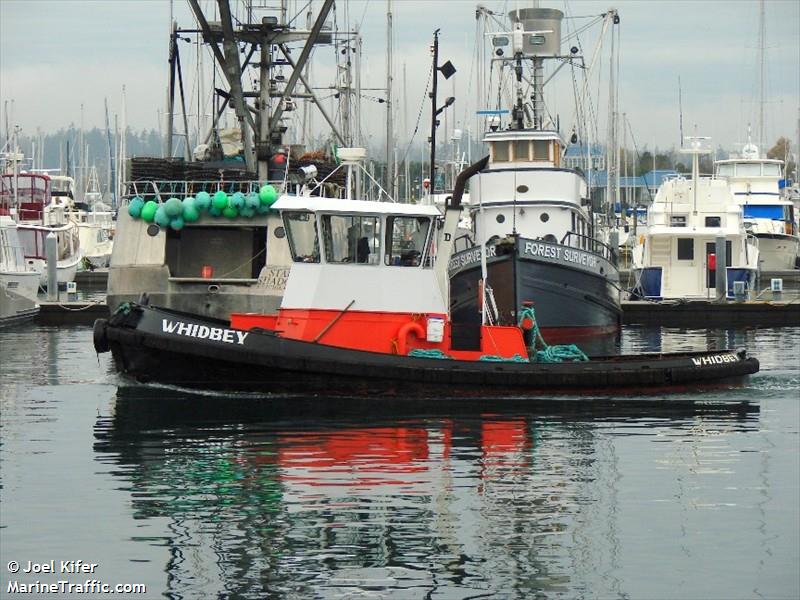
680	108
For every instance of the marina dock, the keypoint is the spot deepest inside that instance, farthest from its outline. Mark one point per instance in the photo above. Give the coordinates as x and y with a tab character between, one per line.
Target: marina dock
757	313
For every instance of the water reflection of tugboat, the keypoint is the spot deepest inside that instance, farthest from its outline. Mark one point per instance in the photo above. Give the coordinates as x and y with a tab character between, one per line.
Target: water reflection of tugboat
313	501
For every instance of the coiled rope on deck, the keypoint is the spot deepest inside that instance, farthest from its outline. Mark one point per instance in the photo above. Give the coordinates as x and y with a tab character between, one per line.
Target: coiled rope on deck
549	354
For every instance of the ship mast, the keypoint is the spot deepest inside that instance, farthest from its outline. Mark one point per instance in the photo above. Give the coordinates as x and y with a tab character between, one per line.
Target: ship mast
762	34
262	135
391	179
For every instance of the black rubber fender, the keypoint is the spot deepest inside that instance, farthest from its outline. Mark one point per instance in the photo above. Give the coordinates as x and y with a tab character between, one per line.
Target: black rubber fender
100	336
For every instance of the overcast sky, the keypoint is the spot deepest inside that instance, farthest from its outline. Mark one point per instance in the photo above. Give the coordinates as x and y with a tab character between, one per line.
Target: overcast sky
57	55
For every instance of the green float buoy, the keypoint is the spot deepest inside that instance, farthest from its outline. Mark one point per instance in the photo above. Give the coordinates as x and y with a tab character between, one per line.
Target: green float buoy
162	219
149	211
220	200
203	201
267	194
135	207
174	207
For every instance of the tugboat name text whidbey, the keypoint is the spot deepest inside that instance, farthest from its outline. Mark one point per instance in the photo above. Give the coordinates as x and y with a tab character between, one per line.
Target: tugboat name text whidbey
217	334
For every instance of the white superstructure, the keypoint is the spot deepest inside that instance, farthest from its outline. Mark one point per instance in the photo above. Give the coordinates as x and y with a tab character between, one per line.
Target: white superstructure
675	255
382	254
768	214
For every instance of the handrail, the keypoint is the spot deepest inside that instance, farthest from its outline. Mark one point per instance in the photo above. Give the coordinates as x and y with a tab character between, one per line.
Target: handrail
606	251
155	189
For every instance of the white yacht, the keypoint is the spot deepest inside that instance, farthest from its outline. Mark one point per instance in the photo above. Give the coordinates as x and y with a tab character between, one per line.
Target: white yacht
94	226
675	255
19	283
768	214
26	197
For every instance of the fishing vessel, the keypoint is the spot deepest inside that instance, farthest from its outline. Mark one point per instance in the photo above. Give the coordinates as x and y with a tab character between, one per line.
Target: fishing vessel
768	213
535	236
219	264
675	256
387	331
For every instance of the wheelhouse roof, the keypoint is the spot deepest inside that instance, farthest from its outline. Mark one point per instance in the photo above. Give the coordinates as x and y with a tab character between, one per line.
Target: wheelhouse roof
522	134
336	205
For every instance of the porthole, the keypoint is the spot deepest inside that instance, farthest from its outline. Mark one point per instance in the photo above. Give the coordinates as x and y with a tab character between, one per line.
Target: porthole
153	230
544	217
501	218
522	189
280	232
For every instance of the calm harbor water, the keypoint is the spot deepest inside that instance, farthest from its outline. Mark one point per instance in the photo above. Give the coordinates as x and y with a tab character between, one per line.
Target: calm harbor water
197	496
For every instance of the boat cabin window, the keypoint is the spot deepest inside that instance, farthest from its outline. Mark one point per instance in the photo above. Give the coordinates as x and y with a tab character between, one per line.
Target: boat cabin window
521	148
500	152
301	229
685	249
407	241
748	169
771	170
541	150
713	221
677	221
725	170
351	238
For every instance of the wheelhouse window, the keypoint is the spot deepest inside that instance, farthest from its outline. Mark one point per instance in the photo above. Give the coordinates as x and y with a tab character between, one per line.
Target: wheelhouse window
748	170
685	249
677	221
500	152
541	150
408	241
521	151
301	228
713	221
771	170
725	170
351	238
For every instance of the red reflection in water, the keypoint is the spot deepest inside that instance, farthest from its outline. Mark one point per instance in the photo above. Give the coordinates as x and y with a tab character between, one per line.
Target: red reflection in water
396	456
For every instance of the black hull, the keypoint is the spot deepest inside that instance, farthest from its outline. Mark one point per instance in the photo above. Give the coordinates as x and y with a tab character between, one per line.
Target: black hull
260	361
570	299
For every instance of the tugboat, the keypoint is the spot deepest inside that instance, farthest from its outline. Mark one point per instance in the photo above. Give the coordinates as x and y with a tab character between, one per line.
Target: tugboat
365	311
535	236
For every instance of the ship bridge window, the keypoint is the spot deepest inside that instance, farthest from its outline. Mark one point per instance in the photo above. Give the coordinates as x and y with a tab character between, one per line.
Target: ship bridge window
408	241
541	150
521	148
500	152
725	170
351	238
713	221
748	169
677	221
771	170
301	228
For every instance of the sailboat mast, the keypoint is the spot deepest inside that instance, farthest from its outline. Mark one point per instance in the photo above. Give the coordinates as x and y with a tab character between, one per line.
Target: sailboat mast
391	180
762	33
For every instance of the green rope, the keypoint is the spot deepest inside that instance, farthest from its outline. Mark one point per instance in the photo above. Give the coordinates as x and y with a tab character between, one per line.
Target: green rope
548	353
433	353
557	354
494	358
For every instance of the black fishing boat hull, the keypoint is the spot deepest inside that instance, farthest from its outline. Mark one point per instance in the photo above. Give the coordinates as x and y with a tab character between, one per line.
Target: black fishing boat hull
151	344
576	293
